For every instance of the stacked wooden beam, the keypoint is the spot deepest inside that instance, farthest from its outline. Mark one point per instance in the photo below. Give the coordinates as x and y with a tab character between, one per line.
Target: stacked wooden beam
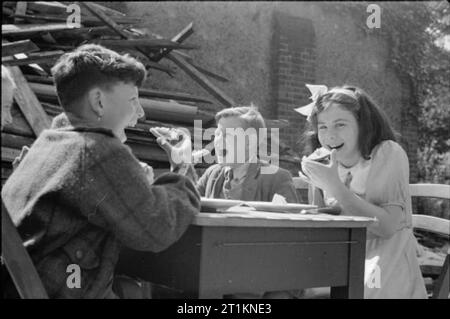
36	34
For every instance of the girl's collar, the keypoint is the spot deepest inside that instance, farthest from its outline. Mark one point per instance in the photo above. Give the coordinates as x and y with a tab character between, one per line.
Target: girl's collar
360	163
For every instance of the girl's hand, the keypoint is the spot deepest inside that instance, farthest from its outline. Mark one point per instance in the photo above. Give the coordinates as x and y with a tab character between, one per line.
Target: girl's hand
325	177
304	178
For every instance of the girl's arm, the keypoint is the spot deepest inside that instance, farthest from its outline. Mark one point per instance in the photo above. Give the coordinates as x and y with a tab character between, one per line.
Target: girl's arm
388	214
388	217
315	196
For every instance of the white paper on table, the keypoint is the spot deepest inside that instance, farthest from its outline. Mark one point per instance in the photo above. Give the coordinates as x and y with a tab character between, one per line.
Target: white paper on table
279	199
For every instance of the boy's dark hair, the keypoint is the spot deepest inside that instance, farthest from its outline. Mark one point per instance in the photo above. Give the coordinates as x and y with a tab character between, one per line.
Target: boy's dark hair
373	124
90	65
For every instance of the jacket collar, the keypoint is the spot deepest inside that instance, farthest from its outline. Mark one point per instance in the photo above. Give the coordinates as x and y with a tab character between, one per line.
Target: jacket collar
74	123
249	185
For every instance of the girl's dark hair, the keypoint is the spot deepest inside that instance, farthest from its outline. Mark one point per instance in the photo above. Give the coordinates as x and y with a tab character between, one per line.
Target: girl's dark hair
91	65
373	124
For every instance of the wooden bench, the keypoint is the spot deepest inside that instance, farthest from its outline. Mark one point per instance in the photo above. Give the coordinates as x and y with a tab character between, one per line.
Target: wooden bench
18	261
435	225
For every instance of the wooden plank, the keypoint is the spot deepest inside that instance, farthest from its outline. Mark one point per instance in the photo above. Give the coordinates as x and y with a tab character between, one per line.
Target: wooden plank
59	9
39	79
15	141
9	154
111	12
430	190
86	21
114	26
21	8
46	90
173	96
7	11
18	261
40	18
441	288
154	109
84	31
35	58
431	224
23	46
36	79
146	43
19	125
201	69
51	109
33	29
210	73
224	99
28	102
47	7
179	38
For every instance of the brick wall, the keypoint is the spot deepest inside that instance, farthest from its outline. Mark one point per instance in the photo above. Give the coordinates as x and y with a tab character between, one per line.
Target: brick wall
293	59
409	128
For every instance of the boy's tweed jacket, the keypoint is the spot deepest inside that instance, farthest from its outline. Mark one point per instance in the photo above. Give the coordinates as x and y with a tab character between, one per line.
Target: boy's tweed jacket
79	194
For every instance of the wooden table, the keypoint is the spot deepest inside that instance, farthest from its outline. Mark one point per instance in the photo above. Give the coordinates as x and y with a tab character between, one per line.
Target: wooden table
256	252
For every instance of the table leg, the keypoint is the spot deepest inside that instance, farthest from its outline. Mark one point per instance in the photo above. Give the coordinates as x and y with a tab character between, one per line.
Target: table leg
357	255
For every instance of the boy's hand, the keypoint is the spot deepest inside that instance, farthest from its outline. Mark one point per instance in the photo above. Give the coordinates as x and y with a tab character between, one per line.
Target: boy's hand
176	143
19	158
148	172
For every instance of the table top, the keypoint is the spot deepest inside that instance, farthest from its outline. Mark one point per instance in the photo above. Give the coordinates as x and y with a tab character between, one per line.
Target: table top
219	204
277	220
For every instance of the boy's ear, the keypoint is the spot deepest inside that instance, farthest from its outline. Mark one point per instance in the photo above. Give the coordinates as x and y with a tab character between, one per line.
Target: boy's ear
94	96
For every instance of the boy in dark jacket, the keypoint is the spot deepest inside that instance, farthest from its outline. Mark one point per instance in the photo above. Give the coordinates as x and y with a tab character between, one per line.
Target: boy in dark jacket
80	194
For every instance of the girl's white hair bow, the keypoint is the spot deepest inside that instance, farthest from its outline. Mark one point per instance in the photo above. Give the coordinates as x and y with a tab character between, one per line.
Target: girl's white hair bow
316	91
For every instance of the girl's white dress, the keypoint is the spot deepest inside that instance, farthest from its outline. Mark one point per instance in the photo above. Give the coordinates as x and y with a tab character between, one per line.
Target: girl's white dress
392	269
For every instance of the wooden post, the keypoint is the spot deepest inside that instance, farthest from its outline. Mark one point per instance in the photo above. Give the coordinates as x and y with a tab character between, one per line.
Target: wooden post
21	8
23	46
18	261
179	38
201	79
117	29
28	102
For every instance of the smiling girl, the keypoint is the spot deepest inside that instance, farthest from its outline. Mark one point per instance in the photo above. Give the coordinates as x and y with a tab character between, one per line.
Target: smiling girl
368	175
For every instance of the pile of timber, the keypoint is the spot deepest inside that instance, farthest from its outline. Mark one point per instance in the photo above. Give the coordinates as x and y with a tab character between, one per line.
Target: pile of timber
36	34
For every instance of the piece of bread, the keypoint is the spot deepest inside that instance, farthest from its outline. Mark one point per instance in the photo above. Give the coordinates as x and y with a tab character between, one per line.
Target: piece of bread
321	155
168	133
